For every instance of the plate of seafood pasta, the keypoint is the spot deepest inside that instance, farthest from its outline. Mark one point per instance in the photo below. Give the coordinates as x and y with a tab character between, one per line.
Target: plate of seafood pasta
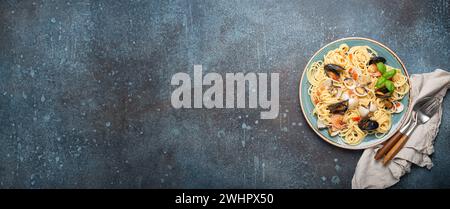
354	93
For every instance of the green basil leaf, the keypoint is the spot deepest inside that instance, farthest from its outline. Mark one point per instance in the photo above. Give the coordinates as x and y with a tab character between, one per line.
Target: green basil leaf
380	82
381	67
389	74
389	85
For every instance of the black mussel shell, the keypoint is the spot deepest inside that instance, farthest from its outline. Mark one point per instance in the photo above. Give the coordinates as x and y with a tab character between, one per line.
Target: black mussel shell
388	104
334	67
383	93
332	74
338	108
333	71
367	124
375	60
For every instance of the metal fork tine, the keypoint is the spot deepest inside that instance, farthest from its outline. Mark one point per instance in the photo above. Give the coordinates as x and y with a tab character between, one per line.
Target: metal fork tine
431	108
428	103
428	106
434	109
428	109
424	105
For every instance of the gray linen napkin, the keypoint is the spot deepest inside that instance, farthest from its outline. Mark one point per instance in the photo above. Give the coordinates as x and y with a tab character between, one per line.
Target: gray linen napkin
371	174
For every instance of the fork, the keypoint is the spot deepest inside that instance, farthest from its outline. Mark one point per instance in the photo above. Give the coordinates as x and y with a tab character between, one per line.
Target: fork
421	116
396	137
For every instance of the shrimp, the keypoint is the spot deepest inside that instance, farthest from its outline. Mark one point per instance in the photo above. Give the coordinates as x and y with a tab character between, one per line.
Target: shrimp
373	70
337	122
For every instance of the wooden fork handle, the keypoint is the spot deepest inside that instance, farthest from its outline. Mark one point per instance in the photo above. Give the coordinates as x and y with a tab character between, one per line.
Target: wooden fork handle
397	147
388	145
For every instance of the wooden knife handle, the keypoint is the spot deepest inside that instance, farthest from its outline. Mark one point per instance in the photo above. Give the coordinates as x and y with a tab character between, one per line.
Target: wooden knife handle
388	145
397	147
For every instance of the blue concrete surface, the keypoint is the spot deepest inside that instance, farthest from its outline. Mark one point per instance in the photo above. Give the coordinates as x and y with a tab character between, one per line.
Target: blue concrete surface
85	91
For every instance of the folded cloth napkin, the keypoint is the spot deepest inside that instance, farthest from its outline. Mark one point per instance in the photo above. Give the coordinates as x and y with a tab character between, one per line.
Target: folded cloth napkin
371	174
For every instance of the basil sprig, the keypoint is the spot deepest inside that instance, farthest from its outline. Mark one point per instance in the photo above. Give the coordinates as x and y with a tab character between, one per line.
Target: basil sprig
384	79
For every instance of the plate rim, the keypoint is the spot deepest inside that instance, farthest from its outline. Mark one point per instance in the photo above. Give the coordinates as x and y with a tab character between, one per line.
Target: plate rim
345	146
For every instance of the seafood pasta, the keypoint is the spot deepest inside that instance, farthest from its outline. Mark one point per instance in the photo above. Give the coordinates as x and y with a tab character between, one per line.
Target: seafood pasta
355	92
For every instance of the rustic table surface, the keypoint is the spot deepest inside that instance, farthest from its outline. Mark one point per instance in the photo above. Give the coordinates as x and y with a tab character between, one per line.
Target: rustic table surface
85	91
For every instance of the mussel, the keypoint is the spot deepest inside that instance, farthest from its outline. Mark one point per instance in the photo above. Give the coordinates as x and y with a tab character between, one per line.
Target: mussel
367	124
375	60
389	105
383	93
333	71
394	106
338	108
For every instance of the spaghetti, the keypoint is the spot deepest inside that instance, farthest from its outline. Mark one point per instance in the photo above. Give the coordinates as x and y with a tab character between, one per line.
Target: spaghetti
354	93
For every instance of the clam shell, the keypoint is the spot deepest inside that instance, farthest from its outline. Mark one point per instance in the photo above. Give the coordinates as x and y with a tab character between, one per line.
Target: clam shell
327	83
352	102
398	107
350	83
373	107
332	133
345	96
360	91
363	112
320	125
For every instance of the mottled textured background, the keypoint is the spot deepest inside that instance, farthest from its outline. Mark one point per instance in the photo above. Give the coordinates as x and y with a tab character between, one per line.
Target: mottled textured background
85	91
